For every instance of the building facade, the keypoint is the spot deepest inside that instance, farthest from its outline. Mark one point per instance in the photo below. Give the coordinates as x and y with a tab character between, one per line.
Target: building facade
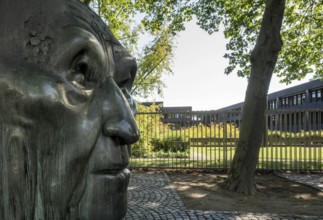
305	96
301	98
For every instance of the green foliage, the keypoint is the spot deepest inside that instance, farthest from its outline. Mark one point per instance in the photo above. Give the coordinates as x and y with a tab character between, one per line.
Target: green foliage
169	144
152	47
158	139
302	34
149	126
152	64
303	40
173	13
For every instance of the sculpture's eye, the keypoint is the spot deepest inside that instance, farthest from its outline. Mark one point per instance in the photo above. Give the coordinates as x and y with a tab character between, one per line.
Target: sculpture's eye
84	70
125	84
125	87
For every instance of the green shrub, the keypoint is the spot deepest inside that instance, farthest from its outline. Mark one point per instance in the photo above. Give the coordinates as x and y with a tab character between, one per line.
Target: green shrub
169	144
140	149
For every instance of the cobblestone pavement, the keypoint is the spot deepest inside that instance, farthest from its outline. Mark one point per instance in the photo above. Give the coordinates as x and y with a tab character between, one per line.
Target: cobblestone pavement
151	197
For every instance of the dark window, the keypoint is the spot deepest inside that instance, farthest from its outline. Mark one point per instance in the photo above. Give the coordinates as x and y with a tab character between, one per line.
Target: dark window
295	100
303	98
299	99
290	101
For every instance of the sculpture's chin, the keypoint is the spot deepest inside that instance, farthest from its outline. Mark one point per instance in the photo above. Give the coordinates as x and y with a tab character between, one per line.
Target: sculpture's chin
105	196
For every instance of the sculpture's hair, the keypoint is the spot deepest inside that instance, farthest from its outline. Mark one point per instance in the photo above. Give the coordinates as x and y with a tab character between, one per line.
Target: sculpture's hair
17	171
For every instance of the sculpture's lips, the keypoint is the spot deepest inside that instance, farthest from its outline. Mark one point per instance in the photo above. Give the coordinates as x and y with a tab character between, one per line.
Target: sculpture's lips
108	172
115	181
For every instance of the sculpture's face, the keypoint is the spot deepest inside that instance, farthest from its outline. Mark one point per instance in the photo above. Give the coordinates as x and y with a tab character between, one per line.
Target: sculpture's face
67	119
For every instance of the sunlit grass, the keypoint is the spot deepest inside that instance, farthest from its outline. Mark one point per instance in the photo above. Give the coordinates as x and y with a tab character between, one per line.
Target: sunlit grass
271	158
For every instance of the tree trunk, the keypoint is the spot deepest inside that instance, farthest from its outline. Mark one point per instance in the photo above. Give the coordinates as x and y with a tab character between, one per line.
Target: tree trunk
263	60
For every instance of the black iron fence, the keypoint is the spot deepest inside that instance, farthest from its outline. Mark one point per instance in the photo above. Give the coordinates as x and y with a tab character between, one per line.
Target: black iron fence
293	140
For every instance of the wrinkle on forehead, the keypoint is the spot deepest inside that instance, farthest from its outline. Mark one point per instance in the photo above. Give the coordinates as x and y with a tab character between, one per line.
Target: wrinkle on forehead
85	18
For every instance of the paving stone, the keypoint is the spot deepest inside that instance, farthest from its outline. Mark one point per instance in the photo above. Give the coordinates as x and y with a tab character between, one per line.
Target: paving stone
151	197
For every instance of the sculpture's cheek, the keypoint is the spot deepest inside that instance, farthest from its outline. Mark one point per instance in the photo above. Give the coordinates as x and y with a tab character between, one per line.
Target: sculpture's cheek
48	98
65	156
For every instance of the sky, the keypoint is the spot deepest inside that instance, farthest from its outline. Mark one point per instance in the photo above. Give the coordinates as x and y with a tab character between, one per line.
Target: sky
199	80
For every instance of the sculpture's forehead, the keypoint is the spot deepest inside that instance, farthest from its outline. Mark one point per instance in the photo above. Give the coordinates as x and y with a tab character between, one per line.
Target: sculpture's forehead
46	22
72	13
67	14
80	15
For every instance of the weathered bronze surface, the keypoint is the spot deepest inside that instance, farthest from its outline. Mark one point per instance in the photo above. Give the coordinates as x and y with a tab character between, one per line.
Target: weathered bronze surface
66	116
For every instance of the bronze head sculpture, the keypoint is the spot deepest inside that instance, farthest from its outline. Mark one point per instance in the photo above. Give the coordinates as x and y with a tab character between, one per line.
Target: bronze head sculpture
66	116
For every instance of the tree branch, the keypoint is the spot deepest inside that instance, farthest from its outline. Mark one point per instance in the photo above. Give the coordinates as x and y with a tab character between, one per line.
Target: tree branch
148	73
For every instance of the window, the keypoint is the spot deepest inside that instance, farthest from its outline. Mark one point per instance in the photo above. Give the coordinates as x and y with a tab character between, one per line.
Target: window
295	100
272	104
290	101
303	98
299	99
318	95
313	96
283	102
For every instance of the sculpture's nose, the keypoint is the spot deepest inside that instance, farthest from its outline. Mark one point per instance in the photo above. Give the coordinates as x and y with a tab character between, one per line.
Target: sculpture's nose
120	123
124	130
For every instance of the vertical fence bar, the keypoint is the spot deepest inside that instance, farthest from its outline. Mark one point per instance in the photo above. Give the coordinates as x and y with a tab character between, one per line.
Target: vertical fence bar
214	161
303	137
312	148
294	125
225	156
286	140
277	135
215	154
301	147
280	127
290	130
320	161
194	136
271	141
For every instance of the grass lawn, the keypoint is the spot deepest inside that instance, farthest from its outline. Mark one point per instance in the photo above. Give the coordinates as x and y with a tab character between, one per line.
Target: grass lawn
276	158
